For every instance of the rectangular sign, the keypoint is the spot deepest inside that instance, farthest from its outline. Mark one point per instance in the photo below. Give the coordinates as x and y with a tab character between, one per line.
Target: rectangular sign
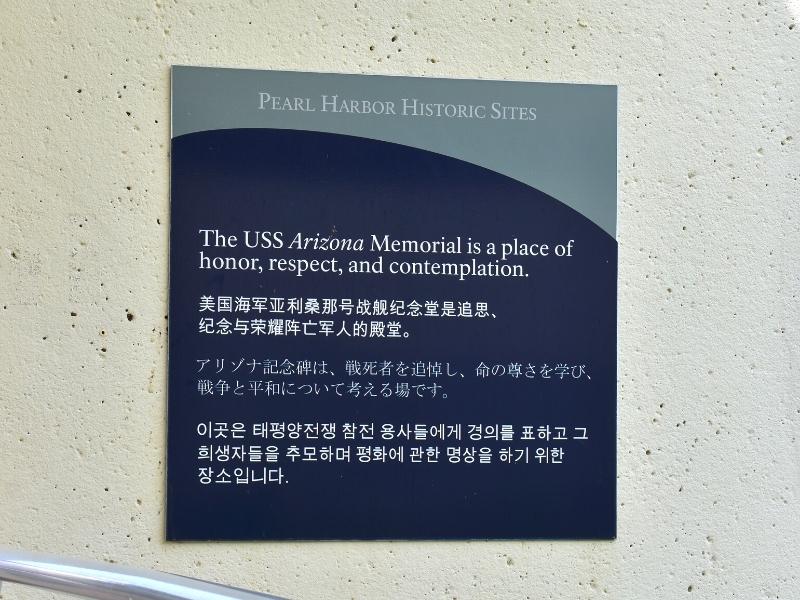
392	308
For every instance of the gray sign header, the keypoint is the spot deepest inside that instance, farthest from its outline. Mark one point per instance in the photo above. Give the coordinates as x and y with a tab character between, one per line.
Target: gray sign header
559	138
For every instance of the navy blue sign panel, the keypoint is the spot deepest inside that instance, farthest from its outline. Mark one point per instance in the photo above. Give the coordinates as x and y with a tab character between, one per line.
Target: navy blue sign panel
375	341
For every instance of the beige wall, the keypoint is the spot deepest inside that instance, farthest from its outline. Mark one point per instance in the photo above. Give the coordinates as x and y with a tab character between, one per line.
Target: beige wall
708	310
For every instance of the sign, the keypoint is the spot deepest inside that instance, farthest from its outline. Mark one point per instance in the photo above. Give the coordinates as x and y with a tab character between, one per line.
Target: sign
392	308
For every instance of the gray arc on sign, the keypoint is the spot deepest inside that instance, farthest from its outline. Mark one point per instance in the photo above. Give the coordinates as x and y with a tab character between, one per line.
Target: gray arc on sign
568	152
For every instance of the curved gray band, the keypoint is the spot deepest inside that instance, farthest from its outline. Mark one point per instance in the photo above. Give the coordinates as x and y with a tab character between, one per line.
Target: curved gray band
568	152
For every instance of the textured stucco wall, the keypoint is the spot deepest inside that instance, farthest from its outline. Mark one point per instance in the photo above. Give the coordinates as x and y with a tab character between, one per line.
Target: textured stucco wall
709	459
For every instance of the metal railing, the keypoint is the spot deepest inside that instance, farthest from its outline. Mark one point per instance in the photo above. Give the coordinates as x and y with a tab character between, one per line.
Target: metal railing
111	582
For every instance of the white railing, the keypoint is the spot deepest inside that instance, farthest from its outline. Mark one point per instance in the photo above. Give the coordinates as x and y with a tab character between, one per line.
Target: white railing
103	581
